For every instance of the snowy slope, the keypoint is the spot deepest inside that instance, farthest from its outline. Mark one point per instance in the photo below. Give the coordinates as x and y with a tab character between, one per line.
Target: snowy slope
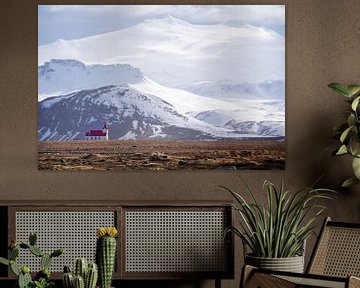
131	115
59	77
175	53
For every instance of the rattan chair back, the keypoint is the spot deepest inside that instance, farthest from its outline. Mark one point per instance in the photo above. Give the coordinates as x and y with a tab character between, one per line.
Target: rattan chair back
337	252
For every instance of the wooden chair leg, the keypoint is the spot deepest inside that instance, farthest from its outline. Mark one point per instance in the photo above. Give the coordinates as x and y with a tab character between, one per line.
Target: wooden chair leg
217	282
246	274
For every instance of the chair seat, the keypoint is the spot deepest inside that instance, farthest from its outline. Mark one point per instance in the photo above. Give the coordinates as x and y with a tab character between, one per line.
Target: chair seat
315	282
335	262
268	279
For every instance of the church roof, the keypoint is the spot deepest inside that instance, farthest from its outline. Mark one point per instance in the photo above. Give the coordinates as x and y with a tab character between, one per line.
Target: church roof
96	133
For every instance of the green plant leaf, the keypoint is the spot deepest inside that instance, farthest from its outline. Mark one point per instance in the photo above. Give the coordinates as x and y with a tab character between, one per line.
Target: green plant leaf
353	89
4	261
279	228
351	120
354	144
355	103
342	150
349	182
356	167
14	268
340	88
345	134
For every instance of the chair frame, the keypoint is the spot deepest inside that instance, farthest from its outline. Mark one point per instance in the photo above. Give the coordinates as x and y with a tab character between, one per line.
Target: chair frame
256	277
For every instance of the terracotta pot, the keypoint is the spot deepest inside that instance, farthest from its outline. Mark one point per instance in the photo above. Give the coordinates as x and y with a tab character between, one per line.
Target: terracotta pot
291	264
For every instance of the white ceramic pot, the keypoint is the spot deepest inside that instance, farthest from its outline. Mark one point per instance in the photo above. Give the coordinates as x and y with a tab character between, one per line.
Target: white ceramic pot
291	264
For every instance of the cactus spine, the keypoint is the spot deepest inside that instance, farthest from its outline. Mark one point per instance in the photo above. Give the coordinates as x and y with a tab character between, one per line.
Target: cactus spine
106	254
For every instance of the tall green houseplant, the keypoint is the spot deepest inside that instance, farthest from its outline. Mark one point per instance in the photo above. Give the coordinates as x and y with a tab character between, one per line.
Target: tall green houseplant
279	228
349	132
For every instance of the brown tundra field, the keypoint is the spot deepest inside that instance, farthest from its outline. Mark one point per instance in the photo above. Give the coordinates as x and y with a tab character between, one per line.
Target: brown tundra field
161	155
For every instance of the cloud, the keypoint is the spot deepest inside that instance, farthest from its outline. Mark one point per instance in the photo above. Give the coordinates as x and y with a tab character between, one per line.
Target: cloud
57	21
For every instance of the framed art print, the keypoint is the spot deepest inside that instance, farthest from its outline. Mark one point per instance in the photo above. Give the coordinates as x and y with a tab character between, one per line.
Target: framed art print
161	87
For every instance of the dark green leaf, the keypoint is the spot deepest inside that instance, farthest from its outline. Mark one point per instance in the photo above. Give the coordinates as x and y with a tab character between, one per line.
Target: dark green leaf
356	167
345	134
349	182
351	120
354	143
4	261
355	103
353	89
342	150
340	88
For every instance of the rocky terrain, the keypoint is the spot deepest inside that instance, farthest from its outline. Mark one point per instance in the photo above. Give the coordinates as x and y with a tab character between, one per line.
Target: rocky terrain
161	155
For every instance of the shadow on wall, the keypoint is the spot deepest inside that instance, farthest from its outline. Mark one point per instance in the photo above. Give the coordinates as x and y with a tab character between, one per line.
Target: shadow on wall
333	170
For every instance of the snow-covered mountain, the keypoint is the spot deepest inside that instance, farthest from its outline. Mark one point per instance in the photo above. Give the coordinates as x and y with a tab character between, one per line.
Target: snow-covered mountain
58	77
230	89
264	128
137	107
175	53
130	114
256	118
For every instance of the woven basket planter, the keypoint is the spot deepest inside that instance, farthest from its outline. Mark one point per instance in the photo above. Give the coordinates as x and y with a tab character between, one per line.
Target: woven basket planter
291	264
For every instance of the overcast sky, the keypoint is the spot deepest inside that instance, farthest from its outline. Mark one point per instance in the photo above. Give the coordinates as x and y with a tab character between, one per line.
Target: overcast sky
78	21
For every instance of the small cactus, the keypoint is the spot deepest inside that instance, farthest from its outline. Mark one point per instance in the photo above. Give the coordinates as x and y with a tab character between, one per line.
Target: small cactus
24	246
57	252
14	268
79	282
80	268
44	273
45	261
24	278
36	251
106	254
90	272
67	269
91	276
67	278
13	253
32	238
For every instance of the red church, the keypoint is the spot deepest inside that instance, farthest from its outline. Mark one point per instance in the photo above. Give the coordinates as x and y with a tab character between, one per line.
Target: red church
98	134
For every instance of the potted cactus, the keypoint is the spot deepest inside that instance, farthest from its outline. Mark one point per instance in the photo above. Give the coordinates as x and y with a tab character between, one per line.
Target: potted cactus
106	254
84	275
42	278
